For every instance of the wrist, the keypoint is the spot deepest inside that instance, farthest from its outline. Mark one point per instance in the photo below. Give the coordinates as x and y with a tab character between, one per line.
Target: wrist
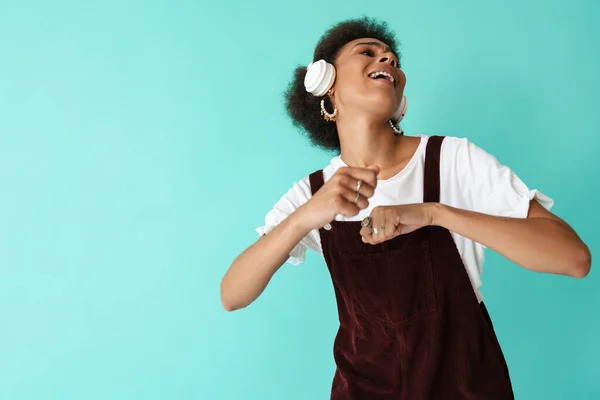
437	213
299	221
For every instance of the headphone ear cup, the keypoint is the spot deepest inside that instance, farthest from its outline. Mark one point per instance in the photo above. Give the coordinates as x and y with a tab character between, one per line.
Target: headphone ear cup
401	111
319	78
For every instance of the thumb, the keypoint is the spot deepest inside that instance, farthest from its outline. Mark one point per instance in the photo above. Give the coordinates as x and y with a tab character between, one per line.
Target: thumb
374	168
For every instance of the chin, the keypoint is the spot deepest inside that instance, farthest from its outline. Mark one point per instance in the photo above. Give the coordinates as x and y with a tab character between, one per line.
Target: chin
384	105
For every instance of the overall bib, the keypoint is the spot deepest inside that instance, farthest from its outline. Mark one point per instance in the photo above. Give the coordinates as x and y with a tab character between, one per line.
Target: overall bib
411	326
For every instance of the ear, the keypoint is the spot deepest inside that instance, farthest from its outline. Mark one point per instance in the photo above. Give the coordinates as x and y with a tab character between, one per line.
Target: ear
331	95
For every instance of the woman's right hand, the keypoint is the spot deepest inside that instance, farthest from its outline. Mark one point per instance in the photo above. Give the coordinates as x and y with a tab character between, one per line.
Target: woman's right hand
251	271
338	196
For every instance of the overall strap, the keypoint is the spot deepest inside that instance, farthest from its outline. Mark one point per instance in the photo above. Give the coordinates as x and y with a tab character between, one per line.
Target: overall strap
316	181
431	186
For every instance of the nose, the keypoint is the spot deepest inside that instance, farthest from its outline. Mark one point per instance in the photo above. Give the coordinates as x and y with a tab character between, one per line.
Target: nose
388	59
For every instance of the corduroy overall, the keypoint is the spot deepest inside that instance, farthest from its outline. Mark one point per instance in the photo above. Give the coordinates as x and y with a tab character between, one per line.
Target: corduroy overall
411	326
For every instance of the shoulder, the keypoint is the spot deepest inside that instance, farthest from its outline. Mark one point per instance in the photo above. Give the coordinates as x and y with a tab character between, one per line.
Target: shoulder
471	174
454	144
462	153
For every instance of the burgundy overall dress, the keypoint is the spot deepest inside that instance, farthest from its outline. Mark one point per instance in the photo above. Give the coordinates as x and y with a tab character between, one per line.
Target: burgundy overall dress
411	327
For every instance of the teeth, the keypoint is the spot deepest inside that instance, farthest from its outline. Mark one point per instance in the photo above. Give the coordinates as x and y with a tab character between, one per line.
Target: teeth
376	74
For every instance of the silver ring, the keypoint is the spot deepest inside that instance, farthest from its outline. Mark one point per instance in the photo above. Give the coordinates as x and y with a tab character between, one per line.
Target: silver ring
357	196
377	229
358	185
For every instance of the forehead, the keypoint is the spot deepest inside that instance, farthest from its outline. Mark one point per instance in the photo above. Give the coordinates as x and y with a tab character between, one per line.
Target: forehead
367	41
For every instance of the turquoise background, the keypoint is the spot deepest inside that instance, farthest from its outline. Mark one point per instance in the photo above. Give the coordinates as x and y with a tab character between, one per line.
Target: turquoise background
141	142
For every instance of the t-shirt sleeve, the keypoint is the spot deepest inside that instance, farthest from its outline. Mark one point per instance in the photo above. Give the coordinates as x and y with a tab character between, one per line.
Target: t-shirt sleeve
489	187
299	194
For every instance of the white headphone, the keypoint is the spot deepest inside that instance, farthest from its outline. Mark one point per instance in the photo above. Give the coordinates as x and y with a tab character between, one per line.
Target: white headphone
320	77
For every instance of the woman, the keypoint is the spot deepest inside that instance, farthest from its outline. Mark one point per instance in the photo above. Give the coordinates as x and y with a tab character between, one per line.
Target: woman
402	223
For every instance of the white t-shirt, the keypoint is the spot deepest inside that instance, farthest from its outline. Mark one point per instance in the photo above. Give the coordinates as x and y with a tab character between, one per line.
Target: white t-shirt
471	179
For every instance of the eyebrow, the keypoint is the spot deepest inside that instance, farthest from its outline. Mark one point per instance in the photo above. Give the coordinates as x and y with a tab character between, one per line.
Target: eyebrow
377	44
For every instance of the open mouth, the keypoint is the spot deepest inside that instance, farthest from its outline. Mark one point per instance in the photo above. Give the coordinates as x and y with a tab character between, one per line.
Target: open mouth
382	75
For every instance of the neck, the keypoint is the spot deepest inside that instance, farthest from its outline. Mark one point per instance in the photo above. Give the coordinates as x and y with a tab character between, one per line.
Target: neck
365	142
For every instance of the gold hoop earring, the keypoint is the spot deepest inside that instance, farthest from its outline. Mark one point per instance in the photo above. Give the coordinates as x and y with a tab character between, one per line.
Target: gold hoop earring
326	115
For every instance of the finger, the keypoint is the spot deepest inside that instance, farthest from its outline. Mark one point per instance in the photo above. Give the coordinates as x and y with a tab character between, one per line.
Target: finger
374	168
368	238
366	175
366	190
354	197
391	222
366	231
378	235
349	210
351	183
378	224
345	207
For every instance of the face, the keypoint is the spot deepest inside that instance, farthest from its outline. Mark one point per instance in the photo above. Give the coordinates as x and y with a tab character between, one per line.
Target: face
368	78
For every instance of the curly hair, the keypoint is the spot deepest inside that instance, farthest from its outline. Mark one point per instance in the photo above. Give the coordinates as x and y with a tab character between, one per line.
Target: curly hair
304	108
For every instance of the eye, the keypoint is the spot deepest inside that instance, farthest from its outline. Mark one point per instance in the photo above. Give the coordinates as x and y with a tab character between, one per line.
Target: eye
367	52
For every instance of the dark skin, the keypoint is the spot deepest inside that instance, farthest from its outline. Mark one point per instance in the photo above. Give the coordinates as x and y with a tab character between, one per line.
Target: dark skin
541	242
364	107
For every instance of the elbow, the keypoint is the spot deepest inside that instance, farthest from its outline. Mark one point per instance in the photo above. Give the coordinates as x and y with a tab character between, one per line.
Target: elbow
582	263
227	305
226	301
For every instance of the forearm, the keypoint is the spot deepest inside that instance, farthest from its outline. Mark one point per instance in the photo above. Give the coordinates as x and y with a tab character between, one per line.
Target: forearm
538	244
252	270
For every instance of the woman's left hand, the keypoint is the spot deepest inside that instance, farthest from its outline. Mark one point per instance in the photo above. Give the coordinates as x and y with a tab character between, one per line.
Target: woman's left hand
392	221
